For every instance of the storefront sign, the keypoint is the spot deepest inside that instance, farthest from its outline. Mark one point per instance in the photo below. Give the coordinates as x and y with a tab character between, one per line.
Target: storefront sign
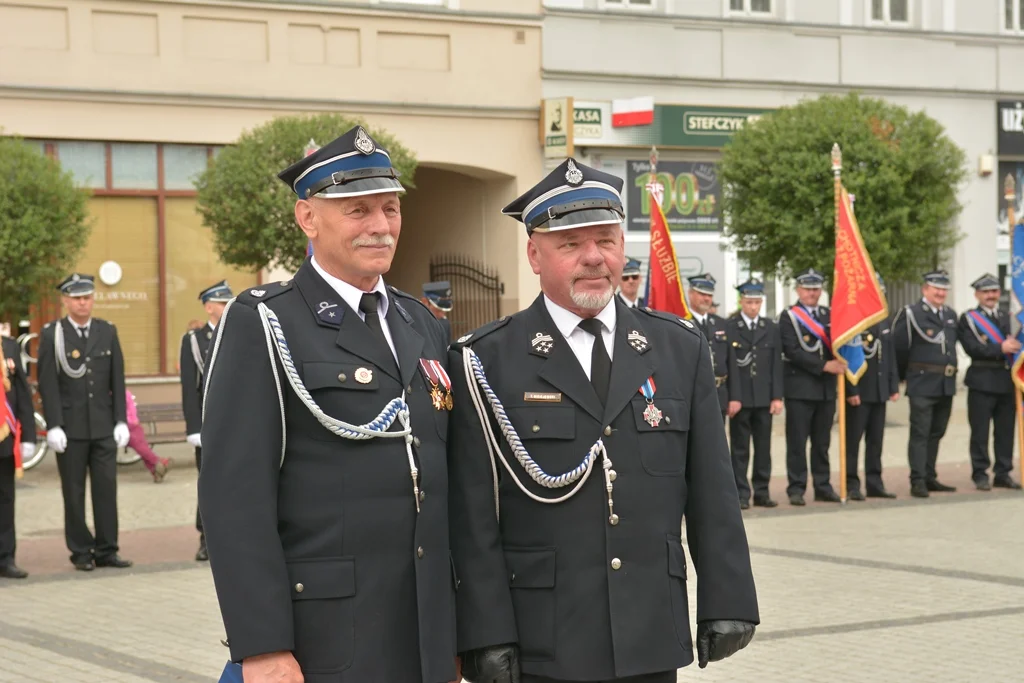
1010	128
691	198
674	126
557	127
587	123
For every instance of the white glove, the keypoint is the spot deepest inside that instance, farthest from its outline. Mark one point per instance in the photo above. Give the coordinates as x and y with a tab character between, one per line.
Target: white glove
57	439
194	440
28	449
121	434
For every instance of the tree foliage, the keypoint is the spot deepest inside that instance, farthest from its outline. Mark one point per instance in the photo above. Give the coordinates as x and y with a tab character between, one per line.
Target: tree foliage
43	226
778	190
249	210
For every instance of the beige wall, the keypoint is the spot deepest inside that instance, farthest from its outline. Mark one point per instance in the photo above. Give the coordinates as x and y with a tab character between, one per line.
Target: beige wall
458	88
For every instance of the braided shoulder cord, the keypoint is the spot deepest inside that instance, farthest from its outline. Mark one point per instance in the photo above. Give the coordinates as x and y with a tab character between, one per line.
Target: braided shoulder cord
59	351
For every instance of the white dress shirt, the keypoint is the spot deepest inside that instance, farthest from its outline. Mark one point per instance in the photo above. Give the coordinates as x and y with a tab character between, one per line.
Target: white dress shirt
701	319
351	296
751	322
82	330
930	307
582	343
625	299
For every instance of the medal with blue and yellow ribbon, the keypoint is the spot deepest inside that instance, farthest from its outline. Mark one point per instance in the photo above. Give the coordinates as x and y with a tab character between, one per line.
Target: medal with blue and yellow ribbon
652	415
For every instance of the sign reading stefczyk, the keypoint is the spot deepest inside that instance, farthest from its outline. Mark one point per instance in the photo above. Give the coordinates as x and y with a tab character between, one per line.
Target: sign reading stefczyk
674	125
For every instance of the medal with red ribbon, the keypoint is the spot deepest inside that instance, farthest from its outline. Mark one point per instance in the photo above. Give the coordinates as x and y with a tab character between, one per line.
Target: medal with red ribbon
652	415
440	384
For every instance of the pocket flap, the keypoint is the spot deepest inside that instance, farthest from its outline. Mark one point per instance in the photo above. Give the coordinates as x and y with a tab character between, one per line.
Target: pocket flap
543	422
319	375
533	568
322	579
675	415
676	558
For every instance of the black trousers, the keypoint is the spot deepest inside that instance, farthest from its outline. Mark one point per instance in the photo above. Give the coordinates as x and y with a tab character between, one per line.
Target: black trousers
868	421
929	416
747	422
7	544
98	458
808	420
999	410
663	677
199	465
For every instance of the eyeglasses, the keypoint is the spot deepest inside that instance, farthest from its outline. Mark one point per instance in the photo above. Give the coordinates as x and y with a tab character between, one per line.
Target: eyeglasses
630	277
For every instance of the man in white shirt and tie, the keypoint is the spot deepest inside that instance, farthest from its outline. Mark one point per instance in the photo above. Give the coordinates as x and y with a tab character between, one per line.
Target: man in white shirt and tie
629	289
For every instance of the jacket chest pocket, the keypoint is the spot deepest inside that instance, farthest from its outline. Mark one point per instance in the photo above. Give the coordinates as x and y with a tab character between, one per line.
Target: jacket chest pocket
344	391
544	422
662	429
345	376
322	593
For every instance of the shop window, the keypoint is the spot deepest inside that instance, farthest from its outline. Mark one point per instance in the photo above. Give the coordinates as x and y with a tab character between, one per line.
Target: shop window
192	266
629	4
1013	10
182	164
87	162
124	230
133	166
890	12
750	7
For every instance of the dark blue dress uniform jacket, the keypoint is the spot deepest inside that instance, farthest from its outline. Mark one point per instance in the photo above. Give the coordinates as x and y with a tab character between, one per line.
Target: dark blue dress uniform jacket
322	552
544	575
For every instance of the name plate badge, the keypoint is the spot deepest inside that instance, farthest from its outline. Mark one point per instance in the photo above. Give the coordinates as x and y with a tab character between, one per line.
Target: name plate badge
542	397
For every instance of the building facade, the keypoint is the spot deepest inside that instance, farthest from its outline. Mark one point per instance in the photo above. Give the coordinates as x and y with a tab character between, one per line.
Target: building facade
710	65
135	96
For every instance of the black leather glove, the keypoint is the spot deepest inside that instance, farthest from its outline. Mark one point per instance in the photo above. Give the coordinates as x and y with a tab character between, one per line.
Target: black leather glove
495	664
719	639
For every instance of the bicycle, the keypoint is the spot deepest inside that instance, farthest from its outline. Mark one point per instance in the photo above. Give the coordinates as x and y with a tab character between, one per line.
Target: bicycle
42	447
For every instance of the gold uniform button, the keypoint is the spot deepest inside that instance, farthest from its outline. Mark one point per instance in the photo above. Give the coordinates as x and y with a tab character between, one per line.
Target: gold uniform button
420	552
342	377
536	428
612	475
616	563
668	420
299	588
613	520
608	431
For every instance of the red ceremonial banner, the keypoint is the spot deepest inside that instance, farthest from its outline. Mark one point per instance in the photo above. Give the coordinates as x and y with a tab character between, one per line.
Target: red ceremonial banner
857	300
665	287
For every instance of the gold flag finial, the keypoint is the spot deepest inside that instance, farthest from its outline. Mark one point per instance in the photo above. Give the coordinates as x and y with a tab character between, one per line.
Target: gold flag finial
837	157
654	160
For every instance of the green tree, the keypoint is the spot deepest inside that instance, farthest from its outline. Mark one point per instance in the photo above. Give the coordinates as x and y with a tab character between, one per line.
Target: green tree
249	210
903	170
43	226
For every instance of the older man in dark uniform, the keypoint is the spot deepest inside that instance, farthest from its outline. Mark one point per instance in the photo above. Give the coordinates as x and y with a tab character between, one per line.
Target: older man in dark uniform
629	289
701	295
925	335
755	360
437	297
865	414
809	385
984	333
324	488
81	381
17	416
590	429
195	346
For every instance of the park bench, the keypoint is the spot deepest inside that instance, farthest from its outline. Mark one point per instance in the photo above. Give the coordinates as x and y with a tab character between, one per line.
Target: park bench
162	422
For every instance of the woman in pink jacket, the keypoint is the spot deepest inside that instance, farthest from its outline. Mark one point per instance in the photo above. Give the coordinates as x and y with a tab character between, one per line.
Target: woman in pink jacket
156	465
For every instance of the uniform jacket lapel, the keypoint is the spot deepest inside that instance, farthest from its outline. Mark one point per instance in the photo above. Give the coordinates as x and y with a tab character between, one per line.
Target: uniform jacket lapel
760	328
561	369
94	333
630	365
71	338
408	342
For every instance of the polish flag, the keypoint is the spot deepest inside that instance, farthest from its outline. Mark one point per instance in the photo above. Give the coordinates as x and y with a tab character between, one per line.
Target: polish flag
638	111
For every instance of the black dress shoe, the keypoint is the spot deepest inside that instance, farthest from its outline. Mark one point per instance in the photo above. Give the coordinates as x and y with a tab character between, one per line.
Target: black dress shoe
744	505
880	493
827	497
797	499
201	554
919	490
85	565
855	494
1003	481
115	561
764	502
983	485
936	485
13	571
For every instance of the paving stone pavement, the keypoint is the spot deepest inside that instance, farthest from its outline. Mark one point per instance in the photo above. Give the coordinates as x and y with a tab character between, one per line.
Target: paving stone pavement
903	591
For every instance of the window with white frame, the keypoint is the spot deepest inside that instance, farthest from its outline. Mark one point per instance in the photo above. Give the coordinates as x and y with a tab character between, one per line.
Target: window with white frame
890	12
1014	10
631	4
753	8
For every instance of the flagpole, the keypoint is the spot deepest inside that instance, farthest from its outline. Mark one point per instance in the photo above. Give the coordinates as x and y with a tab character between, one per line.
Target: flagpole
1011	202
837	169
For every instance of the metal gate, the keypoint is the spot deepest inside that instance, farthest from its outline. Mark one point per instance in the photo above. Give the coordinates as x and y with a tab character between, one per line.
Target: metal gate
476	291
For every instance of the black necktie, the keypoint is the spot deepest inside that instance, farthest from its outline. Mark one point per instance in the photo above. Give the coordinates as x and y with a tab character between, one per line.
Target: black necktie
83	332
600	363
369	304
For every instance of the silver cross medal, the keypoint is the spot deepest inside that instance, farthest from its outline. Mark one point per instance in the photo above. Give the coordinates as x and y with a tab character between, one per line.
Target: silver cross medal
652	415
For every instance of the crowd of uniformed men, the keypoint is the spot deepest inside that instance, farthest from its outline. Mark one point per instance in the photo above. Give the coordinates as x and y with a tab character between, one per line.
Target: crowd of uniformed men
393	505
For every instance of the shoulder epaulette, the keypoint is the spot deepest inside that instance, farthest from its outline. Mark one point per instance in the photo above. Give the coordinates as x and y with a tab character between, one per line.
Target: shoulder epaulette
256	295
480	332
48	325
685	324
408	297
